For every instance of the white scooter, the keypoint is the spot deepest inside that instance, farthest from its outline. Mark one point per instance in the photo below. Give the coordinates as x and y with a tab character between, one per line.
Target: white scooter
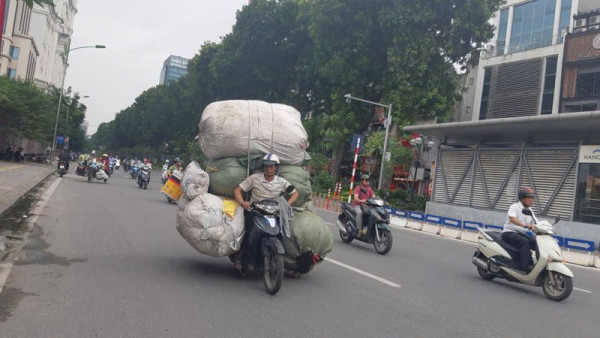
494	258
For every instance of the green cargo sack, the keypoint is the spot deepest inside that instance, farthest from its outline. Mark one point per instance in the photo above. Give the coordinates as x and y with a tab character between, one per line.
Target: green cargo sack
299	178
225	175
309	233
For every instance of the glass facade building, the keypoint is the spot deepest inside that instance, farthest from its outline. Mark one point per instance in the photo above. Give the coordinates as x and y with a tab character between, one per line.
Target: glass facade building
174	68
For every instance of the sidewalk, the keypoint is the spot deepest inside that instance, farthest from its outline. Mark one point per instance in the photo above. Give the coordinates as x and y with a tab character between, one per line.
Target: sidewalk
16	179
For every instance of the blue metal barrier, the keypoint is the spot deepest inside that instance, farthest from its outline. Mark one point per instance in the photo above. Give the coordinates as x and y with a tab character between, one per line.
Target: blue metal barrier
579	244
451	222
417	216
401	213
494	227
390	210
560	240
473	226
433	219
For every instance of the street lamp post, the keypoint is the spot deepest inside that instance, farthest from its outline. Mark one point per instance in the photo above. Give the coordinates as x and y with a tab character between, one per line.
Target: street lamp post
65	57
388	122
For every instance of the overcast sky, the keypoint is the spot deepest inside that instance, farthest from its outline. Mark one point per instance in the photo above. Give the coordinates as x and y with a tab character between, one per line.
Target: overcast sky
139	35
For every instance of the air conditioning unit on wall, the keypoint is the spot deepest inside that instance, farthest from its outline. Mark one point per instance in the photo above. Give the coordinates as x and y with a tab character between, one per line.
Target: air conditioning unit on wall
594	20
580	23
594	27
580	30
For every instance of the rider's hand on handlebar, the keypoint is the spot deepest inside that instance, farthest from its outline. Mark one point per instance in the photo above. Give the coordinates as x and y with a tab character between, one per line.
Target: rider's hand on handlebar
246	205
529	226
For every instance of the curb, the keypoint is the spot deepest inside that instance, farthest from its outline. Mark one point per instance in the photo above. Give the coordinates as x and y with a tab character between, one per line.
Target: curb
13	196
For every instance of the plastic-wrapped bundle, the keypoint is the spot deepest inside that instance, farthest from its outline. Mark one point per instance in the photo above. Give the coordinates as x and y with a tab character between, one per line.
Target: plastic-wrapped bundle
195	181
299	178
309	233
239	128
211	225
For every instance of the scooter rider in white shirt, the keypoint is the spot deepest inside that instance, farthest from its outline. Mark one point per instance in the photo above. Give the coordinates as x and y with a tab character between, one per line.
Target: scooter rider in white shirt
516	226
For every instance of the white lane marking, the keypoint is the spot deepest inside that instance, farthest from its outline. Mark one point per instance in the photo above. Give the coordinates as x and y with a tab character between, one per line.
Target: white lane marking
582	290
36	212
364	273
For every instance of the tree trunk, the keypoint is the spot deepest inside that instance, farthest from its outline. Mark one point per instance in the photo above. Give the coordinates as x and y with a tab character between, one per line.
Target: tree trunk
338	156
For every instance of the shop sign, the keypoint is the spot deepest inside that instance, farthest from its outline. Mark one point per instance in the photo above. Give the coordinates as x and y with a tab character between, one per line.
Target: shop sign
589	154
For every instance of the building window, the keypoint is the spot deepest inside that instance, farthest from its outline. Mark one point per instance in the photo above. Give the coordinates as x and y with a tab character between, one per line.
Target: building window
587	200
565	18
14	52
5	16
12	73
588	85
485	94
532	25
549	79
502	30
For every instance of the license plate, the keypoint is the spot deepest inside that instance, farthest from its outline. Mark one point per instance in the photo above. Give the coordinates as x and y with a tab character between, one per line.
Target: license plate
62	167
272	222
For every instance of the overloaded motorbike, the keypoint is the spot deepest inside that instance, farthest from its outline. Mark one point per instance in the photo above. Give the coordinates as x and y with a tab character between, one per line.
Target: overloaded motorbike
144	177
62	168
134	171
264	242
96	172
495	258
375	218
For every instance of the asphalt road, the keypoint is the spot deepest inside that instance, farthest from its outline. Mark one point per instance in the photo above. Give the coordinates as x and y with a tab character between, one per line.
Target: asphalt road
106	261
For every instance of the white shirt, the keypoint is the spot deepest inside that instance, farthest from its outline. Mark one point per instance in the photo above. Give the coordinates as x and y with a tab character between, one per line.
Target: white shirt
516	210
261	189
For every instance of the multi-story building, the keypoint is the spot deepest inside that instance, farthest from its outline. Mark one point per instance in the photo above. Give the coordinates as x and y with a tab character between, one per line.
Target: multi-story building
174	68
51	28
18	50
531	120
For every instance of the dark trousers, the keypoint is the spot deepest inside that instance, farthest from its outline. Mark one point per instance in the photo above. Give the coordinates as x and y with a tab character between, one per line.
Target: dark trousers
252	241
522	242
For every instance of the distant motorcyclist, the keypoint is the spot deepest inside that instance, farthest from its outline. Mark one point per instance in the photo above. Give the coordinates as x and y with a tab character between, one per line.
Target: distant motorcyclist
516	226
105	162
165	169
361	194
176	167
261	186
63	157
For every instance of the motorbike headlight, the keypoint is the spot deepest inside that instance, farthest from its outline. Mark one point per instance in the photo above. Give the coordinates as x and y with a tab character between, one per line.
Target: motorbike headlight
269	209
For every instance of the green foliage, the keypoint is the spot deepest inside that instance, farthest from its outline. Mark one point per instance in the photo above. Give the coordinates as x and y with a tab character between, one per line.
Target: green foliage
309	54
323	181
405	200
318	163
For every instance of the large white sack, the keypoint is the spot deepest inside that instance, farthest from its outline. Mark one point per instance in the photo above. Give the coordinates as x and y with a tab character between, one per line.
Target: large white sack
195	181
207	229
239	128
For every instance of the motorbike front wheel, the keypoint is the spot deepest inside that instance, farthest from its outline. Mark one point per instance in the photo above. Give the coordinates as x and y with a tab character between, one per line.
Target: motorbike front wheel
485	274
346	238
384	244
562	289
273	271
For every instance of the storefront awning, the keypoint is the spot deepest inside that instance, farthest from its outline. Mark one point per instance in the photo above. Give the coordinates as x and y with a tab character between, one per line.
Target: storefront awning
565	127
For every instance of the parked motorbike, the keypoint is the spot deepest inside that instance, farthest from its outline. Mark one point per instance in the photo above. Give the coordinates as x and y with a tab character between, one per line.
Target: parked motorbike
144	177
62	168
134	171
495	258
376	219
96	172
264	242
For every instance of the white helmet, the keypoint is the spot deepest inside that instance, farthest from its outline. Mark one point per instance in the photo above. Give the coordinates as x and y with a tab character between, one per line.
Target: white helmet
93	152
270	159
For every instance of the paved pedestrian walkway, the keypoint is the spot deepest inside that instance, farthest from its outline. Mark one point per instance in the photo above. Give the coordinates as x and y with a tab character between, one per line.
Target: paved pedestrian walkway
16	179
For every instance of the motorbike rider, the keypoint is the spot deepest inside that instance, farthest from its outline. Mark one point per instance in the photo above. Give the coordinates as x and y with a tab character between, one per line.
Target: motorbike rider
176	167
105	162
64	157
261	186
361	194
516	226
165	169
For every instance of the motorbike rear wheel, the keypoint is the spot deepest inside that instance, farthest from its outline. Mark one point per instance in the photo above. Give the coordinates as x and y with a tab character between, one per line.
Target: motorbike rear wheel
384	244
273	271
563	288
145	185
485	274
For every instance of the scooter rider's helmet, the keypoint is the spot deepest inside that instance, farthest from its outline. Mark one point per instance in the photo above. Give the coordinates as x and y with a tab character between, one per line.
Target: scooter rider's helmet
364	177
271	159
93	152
525	192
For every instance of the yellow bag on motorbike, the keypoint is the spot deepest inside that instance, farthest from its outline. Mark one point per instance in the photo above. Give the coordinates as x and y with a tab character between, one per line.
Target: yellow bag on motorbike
172	188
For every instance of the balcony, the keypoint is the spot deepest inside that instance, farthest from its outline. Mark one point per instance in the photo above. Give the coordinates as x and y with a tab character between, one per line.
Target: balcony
492	51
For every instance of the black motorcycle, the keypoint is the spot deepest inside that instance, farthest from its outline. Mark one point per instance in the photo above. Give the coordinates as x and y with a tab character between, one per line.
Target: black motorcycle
376	220
264	243
143	177
62	168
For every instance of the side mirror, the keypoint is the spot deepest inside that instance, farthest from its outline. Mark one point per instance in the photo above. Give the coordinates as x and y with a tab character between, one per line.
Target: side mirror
527	212
557	219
